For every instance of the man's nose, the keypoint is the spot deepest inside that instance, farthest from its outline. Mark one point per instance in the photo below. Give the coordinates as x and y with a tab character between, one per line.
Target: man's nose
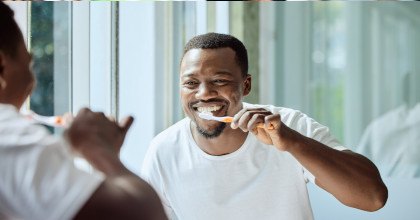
205	92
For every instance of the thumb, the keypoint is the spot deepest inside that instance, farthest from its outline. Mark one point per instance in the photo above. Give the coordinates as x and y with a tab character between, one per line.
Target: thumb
272	123
126	123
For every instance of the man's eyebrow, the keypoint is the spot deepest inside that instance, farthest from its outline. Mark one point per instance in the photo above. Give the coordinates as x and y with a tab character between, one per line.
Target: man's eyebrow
218	73
224	73
188	74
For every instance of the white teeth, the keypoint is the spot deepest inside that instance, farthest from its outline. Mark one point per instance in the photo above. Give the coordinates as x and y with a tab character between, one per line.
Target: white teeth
209	109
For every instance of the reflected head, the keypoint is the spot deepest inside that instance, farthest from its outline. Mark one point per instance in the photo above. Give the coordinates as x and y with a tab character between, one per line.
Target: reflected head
10	34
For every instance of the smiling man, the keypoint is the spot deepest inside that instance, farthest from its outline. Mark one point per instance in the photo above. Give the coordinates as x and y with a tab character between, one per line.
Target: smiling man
258	166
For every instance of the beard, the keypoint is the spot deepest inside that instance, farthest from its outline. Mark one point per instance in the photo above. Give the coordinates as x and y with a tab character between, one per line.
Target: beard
211	134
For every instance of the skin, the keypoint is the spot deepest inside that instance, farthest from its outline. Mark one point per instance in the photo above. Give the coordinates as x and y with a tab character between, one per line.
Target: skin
350	177
206	80
122	195
16	76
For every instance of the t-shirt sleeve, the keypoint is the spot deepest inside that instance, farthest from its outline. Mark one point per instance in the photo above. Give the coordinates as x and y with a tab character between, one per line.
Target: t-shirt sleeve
310	128
42	181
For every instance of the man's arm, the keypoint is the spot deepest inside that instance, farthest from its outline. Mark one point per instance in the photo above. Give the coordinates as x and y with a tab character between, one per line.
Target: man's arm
122	195
351	178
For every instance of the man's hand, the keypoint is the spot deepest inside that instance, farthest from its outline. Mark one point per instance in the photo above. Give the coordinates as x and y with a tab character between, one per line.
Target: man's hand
273	131
92	131
122	195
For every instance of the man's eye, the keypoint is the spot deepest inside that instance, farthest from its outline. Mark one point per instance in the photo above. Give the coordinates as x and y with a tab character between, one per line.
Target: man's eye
220	82
190	83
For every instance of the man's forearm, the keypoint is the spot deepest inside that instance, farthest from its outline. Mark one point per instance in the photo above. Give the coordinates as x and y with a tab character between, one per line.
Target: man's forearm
131	197
350	177
122	195
105	161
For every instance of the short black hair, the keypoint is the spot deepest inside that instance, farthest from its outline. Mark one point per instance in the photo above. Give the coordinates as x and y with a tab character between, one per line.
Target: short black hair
216	40
10	34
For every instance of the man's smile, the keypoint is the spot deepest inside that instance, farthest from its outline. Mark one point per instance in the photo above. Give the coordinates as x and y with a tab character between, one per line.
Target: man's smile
216	109
209	108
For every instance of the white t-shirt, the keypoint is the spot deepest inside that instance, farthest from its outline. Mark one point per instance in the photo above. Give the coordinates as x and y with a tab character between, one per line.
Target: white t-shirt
255	182
392	142
38	179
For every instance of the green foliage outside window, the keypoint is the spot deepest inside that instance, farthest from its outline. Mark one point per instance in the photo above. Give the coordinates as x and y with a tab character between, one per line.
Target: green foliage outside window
42	49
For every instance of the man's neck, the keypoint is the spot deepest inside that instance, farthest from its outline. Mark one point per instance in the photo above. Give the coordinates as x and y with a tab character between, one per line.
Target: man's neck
227	142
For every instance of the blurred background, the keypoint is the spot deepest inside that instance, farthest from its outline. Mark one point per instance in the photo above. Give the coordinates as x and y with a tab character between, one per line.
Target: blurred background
349	65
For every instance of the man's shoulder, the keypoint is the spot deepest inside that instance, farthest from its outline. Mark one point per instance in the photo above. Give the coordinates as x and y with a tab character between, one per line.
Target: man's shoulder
165	147
7	113
16	131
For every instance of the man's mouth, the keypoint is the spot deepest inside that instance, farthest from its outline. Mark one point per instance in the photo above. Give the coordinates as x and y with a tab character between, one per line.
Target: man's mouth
209	108
214	109
210	128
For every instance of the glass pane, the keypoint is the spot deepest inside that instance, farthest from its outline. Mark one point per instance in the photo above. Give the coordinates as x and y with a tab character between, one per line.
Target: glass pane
382	92
49	44
328	65
391	133
243	23
42	48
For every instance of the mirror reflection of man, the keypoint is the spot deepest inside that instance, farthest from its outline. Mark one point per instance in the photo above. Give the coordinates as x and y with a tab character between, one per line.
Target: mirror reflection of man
38	179
247	170
392	140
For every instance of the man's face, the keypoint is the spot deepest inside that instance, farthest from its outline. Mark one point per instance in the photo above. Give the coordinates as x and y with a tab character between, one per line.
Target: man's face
16	71
211	81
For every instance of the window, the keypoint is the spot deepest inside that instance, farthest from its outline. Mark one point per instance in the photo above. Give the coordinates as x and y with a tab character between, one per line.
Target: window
49	45
328	56
42	48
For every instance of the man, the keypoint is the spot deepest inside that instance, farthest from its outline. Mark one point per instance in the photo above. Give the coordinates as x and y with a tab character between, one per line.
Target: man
37	176
256	167
392	139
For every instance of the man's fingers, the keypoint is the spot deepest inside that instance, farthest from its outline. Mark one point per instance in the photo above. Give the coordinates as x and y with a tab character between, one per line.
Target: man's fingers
245	120
126	123
240	114
272	122
67	119
111	118
83	111
255	120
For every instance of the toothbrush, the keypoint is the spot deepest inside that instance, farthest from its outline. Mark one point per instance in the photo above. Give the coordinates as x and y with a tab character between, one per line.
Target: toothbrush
53	121
209	116
225	119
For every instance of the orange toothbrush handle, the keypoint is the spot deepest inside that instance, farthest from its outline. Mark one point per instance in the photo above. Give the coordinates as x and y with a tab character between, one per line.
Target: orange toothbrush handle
227	120
58	120
260	125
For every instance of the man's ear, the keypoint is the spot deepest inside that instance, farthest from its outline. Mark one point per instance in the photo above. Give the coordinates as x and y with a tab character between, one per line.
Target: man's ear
3	82
247	85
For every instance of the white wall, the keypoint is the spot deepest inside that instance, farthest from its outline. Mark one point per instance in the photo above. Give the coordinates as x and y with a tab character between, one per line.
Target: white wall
138	67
